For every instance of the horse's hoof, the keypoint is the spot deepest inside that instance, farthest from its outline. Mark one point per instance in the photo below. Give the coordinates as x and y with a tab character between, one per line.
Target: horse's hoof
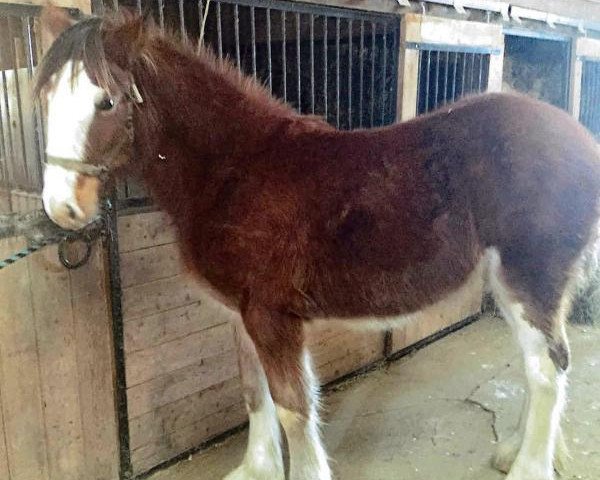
506	454
525	469
245	473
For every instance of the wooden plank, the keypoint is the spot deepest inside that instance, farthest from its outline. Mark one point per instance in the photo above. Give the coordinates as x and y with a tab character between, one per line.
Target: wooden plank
84	5
457	306
166	326
345	352
150	264
152	362
168	388
448	31
160	295
496	72
57	352
190	436
144	230
20	377
93	333
155	425
587	47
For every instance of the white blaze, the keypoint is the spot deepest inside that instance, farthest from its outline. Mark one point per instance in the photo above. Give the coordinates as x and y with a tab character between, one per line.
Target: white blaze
71	108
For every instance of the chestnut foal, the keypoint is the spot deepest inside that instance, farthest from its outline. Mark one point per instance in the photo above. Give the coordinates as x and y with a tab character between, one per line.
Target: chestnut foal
288	220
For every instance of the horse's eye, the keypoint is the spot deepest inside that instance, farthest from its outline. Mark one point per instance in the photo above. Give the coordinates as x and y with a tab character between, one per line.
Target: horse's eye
105	104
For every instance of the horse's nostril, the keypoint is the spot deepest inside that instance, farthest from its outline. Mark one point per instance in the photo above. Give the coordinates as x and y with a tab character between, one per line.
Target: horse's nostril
71	212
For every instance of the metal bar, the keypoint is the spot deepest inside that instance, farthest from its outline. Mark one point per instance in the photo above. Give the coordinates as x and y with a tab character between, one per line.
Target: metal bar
37	120
361	73
442	47
316	9
269	53
350	74
3	153
11	145
111	243
298	64
182	28
253	38
464	74
236	29
419	80
325	69
161	14
446	75
427	80
138	4
384	75
219	30
454	76
283	56
13	51
312	63
394	72
472	71
480	73
337	72
373	33
437	78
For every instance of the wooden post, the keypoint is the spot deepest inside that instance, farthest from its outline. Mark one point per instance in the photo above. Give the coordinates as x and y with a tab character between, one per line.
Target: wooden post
427	29
582	48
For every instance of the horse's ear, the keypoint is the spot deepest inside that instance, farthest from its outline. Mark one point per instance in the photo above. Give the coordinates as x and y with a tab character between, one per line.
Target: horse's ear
54	21
129	38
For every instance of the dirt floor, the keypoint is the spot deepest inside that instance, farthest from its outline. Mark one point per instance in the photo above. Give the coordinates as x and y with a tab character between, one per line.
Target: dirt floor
438	413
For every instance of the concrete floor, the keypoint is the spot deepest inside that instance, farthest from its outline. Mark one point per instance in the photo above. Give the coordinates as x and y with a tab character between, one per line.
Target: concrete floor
436	414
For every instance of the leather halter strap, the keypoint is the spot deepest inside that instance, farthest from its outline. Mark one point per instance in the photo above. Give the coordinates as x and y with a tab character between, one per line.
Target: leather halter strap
88	169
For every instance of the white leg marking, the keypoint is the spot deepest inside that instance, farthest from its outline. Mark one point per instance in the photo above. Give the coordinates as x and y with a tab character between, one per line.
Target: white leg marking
263	459
308	460
547	391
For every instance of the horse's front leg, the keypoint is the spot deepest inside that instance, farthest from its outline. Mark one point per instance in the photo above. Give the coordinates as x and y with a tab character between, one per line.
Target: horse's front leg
279	341
263	459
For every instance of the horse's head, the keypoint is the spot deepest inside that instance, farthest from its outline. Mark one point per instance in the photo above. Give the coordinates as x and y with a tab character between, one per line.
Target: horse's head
90	96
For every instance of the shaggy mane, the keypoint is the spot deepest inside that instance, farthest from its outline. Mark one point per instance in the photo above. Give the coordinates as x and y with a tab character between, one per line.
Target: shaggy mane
86	40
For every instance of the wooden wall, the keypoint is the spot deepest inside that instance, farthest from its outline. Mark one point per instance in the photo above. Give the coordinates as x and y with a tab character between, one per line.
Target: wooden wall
182	376
57	412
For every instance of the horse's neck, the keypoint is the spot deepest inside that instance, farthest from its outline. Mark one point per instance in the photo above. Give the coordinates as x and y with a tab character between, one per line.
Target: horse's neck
207	107
196	121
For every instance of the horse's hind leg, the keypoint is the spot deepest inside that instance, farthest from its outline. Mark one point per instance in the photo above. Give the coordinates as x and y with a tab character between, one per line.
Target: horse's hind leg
263	459
279	340
546	359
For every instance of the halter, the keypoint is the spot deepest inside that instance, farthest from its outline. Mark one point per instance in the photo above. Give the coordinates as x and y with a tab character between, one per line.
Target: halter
97	170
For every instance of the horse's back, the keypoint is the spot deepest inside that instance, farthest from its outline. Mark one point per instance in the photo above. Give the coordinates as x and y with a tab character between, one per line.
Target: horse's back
532	174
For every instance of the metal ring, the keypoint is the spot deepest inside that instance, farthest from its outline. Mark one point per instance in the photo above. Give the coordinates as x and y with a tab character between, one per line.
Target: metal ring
70	240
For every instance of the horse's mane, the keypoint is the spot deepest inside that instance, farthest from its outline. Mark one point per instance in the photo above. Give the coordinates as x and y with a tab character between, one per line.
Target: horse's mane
81	42
93	41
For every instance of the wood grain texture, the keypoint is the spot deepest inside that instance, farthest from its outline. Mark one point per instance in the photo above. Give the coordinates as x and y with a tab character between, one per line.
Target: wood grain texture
95	367
153	330
178	384
160	295
153	426
188	437
20	377
144	230
149	264
57	351
153	362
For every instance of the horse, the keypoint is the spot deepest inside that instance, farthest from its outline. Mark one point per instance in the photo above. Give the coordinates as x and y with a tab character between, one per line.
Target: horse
288	220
